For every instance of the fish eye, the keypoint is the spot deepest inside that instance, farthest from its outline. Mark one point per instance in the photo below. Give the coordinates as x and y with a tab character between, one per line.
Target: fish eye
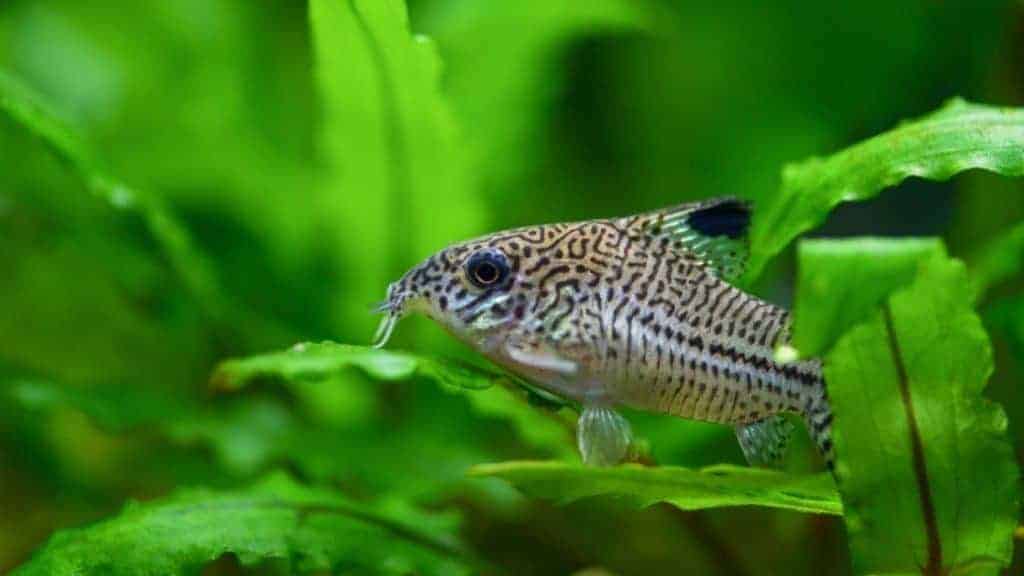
486	268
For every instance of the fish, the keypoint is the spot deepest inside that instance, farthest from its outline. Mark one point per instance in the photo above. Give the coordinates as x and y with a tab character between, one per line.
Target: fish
640	312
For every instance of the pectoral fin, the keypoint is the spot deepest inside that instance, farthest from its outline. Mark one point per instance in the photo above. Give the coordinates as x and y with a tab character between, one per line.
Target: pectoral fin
540	357
764	442
603	436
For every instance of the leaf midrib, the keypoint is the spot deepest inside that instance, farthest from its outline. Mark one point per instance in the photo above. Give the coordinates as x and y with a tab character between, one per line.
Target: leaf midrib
934	563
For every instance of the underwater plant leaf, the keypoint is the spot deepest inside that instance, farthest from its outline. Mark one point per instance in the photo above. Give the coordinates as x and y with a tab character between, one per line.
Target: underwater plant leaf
28	110
841	282
388	145
684	488
960	136
1000	259
173	240
924	465
113	408
276	519
321	362
504	56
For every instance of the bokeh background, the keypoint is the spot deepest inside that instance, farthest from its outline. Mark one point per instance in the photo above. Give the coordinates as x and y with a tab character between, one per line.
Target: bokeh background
562	111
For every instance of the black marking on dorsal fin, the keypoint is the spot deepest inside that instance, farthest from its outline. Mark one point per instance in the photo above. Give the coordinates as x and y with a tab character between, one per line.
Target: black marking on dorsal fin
727	217
712	230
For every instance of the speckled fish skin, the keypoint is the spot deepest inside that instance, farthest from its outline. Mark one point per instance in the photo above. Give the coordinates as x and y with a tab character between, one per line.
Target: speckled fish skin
633	311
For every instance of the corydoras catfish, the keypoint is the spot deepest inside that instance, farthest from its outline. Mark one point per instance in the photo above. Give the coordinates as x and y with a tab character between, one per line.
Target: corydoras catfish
637	311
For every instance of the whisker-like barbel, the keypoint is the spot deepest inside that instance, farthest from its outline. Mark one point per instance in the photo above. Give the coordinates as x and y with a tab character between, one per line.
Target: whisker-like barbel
387	325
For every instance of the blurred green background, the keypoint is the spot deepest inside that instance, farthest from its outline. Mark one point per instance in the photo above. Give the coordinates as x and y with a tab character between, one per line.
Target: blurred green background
550	112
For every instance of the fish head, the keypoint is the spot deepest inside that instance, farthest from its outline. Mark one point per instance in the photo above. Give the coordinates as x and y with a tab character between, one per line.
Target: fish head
477	290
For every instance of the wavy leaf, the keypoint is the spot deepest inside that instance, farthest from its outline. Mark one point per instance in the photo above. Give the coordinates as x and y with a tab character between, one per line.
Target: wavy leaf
196	271
842	281
277	519
114	408
999	260
960	136
320	363
389	146
502	56
28	110
684	488
927	473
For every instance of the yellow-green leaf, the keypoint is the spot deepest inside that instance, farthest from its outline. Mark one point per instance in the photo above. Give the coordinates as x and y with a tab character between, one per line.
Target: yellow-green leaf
927	474
958	137
684	488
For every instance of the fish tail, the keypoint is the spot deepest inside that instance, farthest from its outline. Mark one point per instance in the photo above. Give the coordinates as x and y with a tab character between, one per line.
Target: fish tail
818	417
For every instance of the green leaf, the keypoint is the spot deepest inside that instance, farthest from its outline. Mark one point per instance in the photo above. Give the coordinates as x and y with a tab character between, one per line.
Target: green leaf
115	408
389	147
505	56
927	474
999	260
342	426
958	137
684	488
195	271
842	281
27	110
321	363
277	519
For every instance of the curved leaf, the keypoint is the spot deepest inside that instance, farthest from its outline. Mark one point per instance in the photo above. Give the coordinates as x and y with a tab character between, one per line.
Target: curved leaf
927	474
323	361
960	136
389	145
197	273
841	282
114	408
277	519
997	261
684	488
502	55
319	361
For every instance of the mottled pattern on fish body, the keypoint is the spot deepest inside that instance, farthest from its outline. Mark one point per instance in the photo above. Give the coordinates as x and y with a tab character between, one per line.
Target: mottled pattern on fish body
634	311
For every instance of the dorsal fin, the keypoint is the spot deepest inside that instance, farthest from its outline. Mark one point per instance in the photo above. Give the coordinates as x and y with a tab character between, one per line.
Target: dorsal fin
714	230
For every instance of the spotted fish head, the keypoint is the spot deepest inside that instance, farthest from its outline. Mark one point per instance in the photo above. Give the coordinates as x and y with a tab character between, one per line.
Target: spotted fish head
472	289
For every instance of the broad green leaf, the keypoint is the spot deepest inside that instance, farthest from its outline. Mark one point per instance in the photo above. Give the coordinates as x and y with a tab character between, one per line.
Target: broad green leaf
115	408
960	136
341	429
309	529
504	56
997	261
927	474
684	488
389	147
843	281
196	272
320	363
27	110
